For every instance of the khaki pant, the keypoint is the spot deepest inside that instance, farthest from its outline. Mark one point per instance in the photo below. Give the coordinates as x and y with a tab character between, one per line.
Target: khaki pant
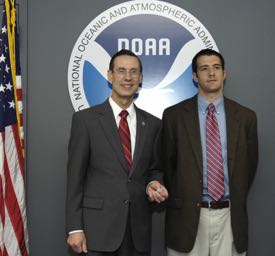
214	236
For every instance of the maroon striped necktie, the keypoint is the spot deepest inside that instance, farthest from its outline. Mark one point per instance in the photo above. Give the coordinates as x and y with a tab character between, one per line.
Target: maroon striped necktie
215	172
124	134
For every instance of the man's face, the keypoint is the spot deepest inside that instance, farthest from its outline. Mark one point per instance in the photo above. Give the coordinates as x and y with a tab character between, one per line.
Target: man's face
125	77
210	75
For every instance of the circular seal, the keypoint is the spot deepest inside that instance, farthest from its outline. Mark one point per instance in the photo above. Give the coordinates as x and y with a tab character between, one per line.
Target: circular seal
163	35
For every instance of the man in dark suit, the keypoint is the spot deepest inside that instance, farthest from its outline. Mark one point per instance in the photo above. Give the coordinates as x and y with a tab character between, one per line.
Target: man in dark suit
210	154
113	154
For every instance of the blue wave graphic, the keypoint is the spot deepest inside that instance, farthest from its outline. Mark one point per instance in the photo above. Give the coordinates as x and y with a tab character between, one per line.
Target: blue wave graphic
183	87
97	89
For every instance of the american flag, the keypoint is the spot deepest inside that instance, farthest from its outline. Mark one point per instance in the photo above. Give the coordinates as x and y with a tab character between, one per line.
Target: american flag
13	223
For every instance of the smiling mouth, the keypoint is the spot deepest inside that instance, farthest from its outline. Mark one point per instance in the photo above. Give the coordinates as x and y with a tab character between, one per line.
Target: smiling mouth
127	85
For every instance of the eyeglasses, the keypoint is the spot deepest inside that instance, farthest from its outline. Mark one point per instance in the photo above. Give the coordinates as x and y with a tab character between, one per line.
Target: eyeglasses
133	73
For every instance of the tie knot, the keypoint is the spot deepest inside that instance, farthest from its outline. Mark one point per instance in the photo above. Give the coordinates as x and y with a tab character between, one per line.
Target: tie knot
123	114
211	108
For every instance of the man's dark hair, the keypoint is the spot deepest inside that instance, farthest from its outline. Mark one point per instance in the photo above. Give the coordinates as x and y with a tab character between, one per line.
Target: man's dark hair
207	52
121	53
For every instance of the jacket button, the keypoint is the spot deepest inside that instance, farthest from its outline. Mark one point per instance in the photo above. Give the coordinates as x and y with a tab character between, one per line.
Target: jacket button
126	201
129	180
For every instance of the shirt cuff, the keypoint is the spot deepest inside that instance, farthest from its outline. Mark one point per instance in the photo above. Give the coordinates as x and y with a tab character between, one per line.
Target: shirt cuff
76	231
149	185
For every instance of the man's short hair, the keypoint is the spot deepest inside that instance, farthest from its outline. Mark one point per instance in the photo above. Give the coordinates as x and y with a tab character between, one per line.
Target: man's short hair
207	52
121	53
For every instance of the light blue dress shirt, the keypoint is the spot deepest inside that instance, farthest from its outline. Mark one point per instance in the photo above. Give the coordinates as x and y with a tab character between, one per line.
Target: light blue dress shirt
220	115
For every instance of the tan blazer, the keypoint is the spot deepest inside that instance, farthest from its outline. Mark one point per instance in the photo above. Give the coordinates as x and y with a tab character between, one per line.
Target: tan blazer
182	154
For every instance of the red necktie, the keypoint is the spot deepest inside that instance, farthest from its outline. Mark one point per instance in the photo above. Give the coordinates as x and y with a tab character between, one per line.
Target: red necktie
124	134
215	172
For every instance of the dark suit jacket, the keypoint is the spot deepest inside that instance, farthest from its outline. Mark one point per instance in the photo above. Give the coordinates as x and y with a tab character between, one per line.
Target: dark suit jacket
183	170
101	191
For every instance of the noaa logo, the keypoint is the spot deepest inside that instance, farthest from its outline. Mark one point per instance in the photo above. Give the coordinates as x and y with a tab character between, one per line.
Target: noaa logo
164	36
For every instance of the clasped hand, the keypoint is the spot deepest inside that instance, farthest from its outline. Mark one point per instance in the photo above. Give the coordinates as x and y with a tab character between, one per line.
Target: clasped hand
156	192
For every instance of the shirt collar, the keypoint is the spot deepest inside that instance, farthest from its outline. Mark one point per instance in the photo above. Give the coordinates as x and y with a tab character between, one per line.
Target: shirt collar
203	104
117	109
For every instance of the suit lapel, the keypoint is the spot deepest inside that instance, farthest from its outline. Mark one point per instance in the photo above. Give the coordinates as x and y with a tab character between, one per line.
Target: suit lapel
141	128
232	127
191	122
109	127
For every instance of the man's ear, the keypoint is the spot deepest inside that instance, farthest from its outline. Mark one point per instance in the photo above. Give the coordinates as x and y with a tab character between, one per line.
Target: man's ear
140	78
224	74
110	75
195	78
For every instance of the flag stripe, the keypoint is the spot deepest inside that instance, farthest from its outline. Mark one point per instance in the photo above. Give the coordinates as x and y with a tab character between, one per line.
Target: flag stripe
11	162
19	94
10	240
18	149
